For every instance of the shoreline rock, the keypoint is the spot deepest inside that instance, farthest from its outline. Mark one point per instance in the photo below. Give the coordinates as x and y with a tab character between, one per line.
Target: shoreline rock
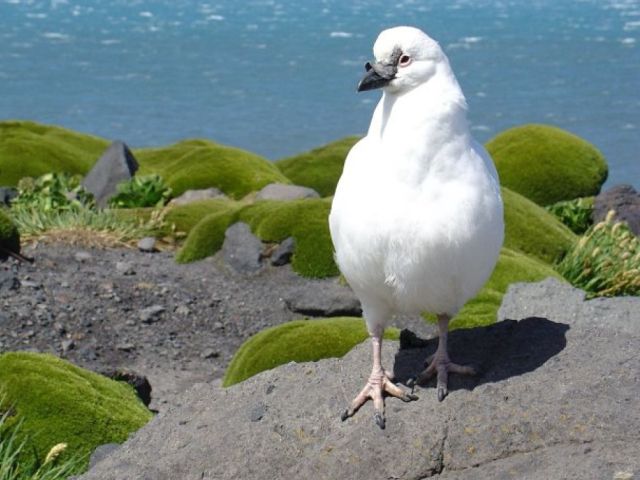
556	398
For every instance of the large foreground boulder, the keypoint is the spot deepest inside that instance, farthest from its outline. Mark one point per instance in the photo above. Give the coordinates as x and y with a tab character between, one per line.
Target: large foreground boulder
556	398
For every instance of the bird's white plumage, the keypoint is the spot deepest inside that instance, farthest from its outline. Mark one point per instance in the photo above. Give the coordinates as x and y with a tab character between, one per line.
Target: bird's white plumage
417	217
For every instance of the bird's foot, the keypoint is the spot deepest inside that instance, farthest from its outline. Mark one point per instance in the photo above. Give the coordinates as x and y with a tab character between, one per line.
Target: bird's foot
440	366
378	384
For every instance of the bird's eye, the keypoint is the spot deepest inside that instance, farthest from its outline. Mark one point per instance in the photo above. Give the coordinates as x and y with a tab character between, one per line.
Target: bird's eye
404	60
367	66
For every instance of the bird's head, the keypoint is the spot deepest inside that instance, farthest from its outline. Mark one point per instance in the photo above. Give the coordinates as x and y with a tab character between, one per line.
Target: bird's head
405	57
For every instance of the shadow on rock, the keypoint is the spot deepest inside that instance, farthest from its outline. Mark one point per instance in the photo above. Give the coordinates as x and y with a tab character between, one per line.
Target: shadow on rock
503	350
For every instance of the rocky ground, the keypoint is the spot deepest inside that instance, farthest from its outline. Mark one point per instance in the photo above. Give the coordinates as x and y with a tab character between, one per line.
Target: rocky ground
108	309
556	397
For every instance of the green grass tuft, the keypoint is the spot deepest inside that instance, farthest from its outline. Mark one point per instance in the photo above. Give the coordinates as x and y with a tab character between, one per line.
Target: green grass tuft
297	341
319	168
29	149
55	402
547	164
198	164
575	214
605	261
530	229
17	464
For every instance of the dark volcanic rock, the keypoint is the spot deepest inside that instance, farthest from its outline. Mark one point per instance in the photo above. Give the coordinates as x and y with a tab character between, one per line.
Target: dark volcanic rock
624	200
283	252
7	194
557	397
241	249
117	164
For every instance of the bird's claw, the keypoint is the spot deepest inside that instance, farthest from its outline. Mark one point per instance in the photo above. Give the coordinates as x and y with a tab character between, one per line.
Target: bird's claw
442	392
379	419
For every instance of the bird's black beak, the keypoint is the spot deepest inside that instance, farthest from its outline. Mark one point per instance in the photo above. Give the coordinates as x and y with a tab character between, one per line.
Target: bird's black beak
378	75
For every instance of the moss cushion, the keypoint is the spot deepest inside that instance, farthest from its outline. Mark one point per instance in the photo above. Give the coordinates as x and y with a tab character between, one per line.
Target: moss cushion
57	402
319	168
197	164
512	267
9	235
547	164
297	341
29	149
271	221
531	229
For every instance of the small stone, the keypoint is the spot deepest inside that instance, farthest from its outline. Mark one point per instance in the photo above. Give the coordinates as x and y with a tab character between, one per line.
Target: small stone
125	268
196	195
147	244
67	345
280	191
82	257
30	284
282	254
126	347
151	314
183	310
210	353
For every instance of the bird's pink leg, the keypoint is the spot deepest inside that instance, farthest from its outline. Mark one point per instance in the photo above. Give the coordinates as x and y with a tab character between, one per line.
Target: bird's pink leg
440	364
378	384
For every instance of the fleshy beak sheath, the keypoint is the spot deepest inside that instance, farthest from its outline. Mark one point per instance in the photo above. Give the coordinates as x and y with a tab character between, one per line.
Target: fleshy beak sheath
378	75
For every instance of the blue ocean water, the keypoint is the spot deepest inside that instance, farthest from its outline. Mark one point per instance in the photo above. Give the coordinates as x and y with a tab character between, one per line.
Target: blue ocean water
278	76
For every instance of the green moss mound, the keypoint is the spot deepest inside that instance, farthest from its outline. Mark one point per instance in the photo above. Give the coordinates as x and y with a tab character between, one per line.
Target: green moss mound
58	402
531	229
511	267
271	221
9	235
547	164
297	341
197	164
29	149
319	168
187	216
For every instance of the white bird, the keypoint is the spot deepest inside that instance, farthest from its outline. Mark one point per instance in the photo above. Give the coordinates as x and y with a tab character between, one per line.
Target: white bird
417	217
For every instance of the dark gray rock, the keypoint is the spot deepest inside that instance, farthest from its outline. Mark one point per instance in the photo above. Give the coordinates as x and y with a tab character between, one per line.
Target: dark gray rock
280	191
117	164
8	280
557	397
7	194
241	249
147	244
197	195
139	382
624	200
328	300
283	252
